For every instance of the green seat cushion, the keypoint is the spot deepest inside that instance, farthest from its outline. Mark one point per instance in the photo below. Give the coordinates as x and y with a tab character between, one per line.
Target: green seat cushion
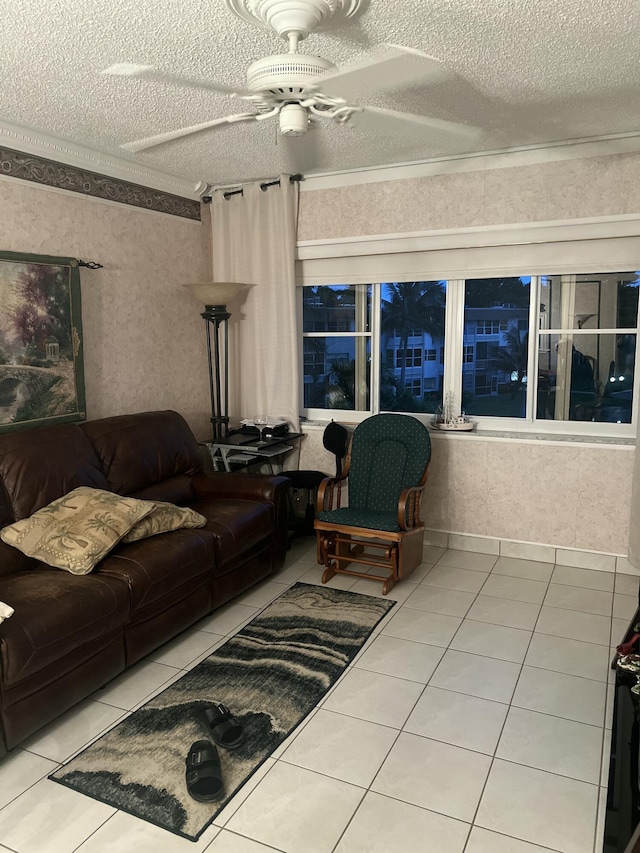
361	518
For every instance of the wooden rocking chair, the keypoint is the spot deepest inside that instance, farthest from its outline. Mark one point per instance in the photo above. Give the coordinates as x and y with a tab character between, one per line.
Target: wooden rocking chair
384	475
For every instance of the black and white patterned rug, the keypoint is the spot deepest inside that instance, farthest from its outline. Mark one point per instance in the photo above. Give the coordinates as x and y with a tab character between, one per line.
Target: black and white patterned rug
270	674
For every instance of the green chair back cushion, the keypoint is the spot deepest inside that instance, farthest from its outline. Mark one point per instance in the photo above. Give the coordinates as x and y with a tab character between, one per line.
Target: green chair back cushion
389	453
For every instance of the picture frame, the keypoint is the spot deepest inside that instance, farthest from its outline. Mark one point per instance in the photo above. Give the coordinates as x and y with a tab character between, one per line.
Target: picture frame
41	342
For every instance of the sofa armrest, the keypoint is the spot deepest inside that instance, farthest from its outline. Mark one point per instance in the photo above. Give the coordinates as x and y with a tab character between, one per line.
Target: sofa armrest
252	487
256	487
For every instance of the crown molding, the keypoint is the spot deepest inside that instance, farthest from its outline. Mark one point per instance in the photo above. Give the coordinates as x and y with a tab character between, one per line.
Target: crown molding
43	145
572	149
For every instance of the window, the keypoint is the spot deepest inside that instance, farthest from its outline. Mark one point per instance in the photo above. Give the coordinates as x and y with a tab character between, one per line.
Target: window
336	335
519	352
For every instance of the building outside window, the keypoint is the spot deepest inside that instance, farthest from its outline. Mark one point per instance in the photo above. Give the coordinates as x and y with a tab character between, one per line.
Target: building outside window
537	350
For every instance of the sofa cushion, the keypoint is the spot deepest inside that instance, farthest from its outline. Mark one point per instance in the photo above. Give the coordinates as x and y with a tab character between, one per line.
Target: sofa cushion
163	518
137	451
155	569
56	613
39	465
76	531
238	525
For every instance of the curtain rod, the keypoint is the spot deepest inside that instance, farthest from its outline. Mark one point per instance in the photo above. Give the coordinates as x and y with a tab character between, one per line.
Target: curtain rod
263	186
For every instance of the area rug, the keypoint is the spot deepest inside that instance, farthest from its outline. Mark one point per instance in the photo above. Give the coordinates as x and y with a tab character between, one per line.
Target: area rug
271	674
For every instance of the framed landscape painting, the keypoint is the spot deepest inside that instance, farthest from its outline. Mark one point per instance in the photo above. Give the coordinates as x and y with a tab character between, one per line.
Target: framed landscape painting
41	365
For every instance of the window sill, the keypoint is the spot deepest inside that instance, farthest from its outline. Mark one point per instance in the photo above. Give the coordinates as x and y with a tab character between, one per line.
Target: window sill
535	437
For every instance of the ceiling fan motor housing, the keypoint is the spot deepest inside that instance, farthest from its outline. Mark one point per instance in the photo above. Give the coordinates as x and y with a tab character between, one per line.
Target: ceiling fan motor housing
286	75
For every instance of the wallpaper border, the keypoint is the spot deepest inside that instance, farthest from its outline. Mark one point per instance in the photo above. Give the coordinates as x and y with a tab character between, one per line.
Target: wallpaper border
40	170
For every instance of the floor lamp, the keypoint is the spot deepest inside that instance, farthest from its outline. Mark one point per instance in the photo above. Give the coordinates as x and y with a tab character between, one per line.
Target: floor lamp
214	295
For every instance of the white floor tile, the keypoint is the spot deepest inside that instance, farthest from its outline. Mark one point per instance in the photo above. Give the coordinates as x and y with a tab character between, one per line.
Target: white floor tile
567	696
573	657
127	834
529	569
476	676
552	743
293	809
342	747
400	592
229	842
573	598
73	730
618	630
483	841
434	629
374	697
452	577
468	560
500	611
515	589
420	572
19	771
626	584
261	594
49	818
584	578
435	599
186	648
228	619
574	625
383	825
493	641
444	715
540	807
443	778
135	684
401	658
314	575
624	606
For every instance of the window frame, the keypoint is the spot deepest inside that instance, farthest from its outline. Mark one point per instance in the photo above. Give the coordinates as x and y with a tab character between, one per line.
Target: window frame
593	245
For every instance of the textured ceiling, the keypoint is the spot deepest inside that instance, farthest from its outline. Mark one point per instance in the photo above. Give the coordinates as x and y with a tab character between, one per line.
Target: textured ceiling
524	71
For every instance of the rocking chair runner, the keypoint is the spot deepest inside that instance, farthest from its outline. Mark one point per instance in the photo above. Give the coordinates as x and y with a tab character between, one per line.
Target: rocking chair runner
385	472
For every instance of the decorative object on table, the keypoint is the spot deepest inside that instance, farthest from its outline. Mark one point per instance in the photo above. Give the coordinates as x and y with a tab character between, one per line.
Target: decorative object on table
41	358
215	295
267	426
450	417
272	673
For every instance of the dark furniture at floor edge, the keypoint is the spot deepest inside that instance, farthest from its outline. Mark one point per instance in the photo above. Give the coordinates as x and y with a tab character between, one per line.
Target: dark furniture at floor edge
72	634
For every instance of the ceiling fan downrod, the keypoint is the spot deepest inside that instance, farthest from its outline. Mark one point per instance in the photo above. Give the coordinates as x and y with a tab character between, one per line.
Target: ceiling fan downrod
293	20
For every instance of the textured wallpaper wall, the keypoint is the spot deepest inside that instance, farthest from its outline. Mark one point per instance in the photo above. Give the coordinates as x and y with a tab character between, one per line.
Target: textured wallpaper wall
551	493
566	189
143	336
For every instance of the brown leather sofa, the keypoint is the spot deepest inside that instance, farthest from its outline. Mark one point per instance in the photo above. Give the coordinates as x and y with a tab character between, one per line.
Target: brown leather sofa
71	634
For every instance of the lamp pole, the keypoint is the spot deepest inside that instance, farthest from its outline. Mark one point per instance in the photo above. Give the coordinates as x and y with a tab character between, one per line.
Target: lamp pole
215	316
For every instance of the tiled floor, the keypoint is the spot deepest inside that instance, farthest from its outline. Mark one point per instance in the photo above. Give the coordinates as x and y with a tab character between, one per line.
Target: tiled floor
475	720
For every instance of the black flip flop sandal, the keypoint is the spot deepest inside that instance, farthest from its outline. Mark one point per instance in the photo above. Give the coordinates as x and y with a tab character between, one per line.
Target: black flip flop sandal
220	723
204	777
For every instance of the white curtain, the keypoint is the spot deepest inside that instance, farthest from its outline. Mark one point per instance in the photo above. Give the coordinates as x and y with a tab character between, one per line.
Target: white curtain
254	239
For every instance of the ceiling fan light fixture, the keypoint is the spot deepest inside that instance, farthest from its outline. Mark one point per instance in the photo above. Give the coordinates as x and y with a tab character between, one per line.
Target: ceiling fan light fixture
294	120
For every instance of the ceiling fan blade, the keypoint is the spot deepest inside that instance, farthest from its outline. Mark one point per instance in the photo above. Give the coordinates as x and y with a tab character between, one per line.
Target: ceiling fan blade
148	72
377	120
400	66
169	136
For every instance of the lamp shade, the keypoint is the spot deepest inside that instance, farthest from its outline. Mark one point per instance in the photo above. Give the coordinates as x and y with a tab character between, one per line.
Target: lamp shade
215	292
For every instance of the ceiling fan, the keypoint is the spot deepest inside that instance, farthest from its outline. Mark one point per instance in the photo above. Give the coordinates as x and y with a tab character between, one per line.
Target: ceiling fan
298	88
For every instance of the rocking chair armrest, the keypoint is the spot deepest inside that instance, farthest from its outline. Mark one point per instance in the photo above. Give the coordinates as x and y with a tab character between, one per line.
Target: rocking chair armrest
328	488
409	507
